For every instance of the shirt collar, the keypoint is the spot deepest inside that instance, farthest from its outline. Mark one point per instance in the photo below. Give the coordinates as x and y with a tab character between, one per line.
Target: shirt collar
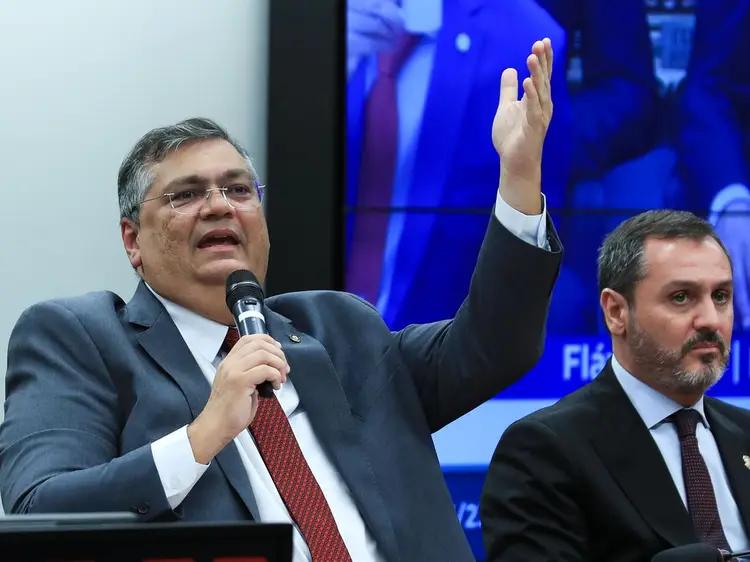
202	335
651	405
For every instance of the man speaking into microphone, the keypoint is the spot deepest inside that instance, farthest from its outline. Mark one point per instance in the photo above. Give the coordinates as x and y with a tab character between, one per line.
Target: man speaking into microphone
153	405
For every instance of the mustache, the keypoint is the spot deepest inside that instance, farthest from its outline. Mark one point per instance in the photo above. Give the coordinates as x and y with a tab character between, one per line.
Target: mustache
705	336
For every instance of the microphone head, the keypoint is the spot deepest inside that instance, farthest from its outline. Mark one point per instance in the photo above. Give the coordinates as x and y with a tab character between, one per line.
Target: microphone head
699	552
242	284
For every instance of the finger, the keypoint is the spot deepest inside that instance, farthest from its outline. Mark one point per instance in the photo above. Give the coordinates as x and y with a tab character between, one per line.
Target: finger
536	69
263	357
255	351
547	108
539	49
531	86
533	109
248	344
247	358
549	55
254	402
508	86
245	340
263	373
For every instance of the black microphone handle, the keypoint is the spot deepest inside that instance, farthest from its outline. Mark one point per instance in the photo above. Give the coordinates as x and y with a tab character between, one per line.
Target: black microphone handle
731	555
252	324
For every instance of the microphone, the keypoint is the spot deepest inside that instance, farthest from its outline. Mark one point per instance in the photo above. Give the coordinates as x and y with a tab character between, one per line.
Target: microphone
699	552
245	301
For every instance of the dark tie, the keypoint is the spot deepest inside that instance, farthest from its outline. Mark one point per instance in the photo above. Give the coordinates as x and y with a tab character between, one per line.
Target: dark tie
293	478
700	492
376	173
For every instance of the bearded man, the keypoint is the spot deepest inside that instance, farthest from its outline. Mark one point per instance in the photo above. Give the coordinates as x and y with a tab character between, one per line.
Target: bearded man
639	460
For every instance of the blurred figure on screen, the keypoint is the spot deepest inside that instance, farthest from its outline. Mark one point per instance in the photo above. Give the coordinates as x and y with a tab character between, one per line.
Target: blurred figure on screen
639	460
715	133
420	89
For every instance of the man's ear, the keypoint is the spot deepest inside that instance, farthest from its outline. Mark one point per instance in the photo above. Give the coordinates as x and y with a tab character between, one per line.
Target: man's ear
129	231
616	310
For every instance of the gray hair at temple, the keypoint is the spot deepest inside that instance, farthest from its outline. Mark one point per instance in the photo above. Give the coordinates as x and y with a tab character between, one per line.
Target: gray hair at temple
621	264
136	175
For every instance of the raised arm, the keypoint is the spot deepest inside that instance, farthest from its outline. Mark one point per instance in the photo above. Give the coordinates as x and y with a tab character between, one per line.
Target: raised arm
498	333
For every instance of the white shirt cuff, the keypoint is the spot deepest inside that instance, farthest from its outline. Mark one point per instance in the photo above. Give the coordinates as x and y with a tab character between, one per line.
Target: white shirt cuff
726	196
176	465
529	228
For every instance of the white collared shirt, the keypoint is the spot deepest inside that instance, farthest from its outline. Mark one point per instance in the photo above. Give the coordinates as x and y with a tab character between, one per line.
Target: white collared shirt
653	408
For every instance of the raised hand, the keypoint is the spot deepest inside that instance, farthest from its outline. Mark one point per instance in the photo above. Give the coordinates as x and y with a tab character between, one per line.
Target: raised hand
519	129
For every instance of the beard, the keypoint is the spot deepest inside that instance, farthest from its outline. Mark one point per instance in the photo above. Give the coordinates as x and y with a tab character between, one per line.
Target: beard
666	367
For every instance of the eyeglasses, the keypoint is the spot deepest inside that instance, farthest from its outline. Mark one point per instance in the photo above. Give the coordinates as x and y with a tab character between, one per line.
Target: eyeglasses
190	200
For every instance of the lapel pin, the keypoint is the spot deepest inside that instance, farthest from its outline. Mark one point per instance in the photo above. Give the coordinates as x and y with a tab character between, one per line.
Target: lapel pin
746	460
295	339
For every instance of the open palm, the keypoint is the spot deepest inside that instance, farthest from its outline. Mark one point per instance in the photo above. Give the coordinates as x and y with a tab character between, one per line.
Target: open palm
520	126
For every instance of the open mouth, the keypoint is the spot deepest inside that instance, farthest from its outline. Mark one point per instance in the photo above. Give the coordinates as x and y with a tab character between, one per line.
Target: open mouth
219	239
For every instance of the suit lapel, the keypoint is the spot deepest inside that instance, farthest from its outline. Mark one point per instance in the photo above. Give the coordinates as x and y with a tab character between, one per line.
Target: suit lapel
629	452
322	398
733	446
163	342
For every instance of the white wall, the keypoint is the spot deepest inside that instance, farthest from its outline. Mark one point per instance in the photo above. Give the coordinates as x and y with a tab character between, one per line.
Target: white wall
80	82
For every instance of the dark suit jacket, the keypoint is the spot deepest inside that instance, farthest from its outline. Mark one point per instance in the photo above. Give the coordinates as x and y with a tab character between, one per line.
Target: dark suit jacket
373	397
584	480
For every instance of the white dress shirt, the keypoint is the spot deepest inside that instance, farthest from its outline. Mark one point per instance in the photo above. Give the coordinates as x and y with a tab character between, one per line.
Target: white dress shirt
178	470
654	408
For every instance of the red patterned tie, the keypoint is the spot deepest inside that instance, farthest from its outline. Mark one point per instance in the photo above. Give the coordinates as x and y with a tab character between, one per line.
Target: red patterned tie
700	492
293	478
376	174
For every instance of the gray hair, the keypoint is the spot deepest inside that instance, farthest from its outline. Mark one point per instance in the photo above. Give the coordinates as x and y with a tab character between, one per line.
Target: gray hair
136	175
621	265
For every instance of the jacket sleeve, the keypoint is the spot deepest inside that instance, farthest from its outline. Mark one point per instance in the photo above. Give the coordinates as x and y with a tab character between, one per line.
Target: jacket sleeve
529	508
59	442
497	335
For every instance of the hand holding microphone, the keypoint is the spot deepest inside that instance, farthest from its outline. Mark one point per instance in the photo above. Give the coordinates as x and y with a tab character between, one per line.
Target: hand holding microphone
245	299
255	363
